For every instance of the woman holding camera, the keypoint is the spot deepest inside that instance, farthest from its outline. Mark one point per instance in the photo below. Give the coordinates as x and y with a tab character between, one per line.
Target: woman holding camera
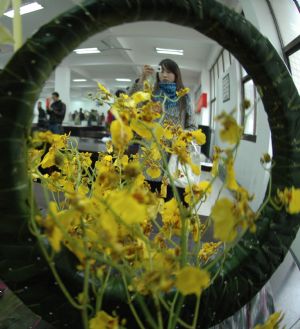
168	80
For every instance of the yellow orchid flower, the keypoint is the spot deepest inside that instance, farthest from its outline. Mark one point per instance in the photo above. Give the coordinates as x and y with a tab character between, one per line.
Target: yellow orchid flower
192	280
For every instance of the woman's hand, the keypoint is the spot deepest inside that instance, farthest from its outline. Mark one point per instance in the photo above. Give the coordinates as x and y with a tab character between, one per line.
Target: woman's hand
147	71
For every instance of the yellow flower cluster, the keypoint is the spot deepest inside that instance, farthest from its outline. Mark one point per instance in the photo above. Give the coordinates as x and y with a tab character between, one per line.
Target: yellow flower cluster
159	277
208	249
290	198
231	132
107	216
272	323
196	192
102	320
182	92
192	280
230	215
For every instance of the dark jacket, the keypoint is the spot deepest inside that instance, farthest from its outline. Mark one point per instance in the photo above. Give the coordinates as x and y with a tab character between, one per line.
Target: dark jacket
42	118
57	112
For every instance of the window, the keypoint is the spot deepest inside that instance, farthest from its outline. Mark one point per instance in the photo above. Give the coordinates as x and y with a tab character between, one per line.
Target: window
294	60
221	64
212	85
286	16
248	116
227	60
213	113
288	19
212	101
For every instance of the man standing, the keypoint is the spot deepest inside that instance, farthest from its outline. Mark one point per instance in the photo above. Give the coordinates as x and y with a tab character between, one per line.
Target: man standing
56	111
42	118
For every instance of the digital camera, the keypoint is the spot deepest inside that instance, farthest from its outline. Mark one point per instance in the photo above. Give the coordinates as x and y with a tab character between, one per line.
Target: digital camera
157	68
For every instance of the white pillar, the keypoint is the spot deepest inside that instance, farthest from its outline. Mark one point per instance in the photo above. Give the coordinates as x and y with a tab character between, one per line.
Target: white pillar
62	86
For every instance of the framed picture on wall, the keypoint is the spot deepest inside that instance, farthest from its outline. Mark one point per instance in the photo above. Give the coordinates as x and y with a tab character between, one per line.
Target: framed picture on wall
226	88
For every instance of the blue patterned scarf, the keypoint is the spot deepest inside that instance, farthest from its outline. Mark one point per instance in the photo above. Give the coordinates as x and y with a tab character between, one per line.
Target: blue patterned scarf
168	89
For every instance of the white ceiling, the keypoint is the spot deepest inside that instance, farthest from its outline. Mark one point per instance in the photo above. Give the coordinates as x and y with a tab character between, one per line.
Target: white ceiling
135	46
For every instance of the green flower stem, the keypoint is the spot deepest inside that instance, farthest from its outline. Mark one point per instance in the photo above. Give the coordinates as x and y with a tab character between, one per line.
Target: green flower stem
268	198
101	290
79	172
132	308
205	192
171	313
158	311
85	316
180	321
274	205
58	279
166	168
51	265
196	313
93	285
35	231
86	280
54	199
176	314
146	312
183	240
174	244
184	232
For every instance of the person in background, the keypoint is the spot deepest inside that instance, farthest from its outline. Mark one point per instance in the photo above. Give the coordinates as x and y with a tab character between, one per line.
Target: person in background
56	112
101	120
77	118
42	117
81	115
168	80
110	118
120	92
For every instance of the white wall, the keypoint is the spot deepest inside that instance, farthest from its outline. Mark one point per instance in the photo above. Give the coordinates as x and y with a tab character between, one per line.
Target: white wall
203	116
229	105
249	172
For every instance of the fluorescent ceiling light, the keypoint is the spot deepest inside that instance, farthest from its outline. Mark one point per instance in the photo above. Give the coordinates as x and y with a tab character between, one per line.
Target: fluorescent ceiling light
79	80
29	8
87	51
169	51
123	80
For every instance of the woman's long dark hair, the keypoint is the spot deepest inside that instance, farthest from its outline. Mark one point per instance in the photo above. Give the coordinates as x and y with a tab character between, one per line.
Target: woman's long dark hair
173	67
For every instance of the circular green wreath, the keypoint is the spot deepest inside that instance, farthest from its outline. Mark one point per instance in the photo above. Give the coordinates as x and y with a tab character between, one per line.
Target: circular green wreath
250	263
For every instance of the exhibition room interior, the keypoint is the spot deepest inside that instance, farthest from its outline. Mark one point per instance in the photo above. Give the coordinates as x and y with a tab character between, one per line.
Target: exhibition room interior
217	81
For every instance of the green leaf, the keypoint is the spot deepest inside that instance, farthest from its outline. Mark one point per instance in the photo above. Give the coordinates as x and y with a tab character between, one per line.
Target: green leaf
5	36
15	315
3	6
